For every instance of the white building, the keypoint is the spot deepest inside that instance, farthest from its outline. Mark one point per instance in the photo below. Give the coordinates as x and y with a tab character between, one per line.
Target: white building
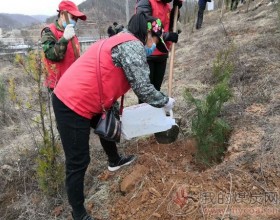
12	41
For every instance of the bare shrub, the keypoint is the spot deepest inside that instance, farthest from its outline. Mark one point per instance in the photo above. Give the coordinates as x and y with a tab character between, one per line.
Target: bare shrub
49	169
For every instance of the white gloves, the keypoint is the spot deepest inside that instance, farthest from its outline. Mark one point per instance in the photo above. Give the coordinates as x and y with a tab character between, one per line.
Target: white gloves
69	32
169	105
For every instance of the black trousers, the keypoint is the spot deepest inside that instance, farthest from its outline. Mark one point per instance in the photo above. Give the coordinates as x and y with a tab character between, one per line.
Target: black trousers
157	71
201	8
199	18
74	131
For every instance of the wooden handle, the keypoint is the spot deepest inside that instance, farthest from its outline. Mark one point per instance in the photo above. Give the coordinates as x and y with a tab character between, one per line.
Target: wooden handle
172	55
76	53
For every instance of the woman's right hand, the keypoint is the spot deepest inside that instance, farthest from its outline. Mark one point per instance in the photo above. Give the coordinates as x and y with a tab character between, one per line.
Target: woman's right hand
169	105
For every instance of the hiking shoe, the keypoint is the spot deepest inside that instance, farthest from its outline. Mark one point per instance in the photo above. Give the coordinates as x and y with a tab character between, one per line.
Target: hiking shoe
83	217
87	217
123	161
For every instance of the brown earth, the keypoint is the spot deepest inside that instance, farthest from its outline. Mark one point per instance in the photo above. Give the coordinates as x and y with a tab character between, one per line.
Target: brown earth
166	182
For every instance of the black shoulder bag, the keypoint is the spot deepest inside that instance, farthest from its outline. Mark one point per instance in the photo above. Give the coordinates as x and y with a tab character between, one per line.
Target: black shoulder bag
108	127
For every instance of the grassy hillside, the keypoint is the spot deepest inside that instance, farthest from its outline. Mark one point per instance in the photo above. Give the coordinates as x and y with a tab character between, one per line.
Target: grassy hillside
19	21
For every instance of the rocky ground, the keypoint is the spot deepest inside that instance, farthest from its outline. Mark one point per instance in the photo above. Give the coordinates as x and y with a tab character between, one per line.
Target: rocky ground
166	182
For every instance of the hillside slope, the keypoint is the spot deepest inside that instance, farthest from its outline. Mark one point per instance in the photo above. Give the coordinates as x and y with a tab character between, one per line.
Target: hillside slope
104	12
19	21
249	173
166	182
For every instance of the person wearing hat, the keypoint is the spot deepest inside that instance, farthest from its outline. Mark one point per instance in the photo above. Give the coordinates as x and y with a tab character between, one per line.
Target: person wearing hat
56	42
158	59
122	64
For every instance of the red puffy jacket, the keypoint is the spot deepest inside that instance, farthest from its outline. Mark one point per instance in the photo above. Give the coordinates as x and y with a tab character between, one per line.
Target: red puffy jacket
78	87
57	68
162	11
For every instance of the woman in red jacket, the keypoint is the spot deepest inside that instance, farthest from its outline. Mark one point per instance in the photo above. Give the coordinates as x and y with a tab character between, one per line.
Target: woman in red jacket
76	100
158	59
56	42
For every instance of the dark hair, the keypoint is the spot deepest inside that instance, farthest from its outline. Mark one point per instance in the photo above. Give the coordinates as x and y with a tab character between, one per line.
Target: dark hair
115	23
137	25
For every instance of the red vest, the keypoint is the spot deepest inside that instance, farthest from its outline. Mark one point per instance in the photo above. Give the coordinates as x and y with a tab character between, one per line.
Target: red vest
78	87
162	11
57	68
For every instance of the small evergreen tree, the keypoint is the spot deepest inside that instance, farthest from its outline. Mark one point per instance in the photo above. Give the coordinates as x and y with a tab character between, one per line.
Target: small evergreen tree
208	128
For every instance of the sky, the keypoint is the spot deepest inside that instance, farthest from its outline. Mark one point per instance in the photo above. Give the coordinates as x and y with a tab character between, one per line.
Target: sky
32	7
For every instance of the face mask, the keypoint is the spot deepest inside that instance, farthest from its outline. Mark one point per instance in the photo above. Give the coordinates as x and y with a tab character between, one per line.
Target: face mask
71	21
64	24
150	50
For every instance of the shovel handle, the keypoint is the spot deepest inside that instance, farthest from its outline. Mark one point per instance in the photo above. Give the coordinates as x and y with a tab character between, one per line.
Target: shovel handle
76	53
172	55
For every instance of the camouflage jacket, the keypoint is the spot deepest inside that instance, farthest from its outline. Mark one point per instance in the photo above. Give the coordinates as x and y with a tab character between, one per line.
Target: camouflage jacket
131	56
54	49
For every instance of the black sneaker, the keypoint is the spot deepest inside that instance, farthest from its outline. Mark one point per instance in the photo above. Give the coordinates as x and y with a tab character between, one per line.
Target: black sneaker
83	217
87	217
113	166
